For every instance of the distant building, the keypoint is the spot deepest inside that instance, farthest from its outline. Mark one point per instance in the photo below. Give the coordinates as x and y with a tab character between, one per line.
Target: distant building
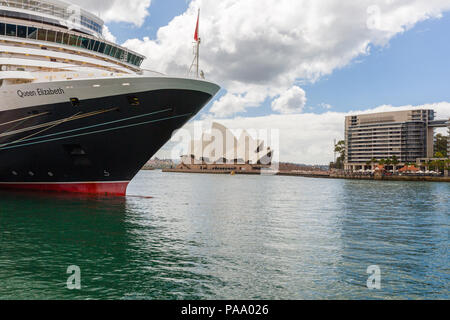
407	135
221	149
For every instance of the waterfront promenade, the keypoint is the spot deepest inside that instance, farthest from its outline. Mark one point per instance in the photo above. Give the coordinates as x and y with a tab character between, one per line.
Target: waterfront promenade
322	174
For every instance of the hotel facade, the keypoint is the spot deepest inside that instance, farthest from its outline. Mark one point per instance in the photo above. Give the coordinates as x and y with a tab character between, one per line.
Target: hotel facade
407	135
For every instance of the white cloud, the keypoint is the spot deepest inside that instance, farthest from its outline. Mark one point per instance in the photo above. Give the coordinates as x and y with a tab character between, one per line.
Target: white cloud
268	46
307	138
290	101
108	35
326	106
131	11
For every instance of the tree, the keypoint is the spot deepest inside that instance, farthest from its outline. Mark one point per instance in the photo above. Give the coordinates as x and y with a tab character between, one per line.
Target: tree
374	161
388	161
340	149
395	162
441	146
439	155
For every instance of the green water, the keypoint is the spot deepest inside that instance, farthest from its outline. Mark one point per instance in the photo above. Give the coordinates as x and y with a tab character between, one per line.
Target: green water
229	237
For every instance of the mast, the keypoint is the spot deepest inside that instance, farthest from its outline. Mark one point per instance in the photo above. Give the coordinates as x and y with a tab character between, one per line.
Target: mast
198	54
196	61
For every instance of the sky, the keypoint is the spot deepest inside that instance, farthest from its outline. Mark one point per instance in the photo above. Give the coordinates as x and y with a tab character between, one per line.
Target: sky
294	66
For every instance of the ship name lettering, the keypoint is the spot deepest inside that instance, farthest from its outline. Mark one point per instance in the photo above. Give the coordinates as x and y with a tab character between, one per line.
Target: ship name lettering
40	92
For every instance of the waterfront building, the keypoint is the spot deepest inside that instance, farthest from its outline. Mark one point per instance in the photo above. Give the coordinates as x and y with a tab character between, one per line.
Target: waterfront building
407	135
221	149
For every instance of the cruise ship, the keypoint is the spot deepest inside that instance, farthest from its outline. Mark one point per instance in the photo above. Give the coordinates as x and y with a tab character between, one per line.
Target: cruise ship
77	112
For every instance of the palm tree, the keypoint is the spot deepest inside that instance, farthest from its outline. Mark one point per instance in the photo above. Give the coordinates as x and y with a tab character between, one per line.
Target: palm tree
388	162
373	161
395	163
428	165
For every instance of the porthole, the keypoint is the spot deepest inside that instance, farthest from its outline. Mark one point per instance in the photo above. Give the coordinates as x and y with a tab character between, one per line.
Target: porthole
75	102
14	173
133	101
50	174
31	173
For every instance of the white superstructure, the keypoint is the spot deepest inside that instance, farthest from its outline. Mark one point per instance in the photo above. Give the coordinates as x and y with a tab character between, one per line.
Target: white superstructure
49	40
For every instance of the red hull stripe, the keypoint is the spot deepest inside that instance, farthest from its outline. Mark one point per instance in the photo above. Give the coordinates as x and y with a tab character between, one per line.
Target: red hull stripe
101	188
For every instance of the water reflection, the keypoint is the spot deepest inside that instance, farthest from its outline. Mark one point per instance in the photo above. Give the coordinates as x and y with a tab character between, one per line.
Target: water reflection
223	237
402	228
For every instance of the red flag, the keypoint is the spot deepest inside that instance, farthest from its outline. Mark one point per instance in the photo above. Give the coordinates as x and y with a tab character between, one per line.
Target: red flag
196	29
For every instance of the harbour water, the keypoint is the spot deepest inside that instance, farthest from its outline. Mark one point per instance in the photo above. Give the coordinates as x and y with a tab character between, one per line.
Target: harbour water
193	236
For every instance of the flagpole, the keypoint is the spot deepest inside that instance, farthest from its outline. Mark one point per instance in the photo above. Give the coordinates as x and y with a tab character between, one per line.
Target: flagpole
197	39
198	43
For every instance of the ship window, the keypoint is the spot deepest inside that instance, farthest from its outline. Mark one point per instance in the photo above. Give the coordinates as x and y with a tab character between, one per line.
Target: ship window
66	38
133	101
84	42
22	32
96	45
42	34
102	47
75	102
112	53
2	29
51	36
11	30
119	54
107	49
59	37
73	40
32	33
90	43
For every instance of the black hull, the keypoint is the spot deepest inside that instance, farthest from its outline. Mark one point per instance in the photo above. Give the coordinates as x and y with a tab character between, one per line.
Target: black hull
94	146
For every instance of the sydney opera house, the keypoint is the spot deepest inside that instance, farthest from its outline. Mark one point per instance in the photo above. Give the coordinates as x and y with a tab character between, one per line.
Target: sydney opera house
222	150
